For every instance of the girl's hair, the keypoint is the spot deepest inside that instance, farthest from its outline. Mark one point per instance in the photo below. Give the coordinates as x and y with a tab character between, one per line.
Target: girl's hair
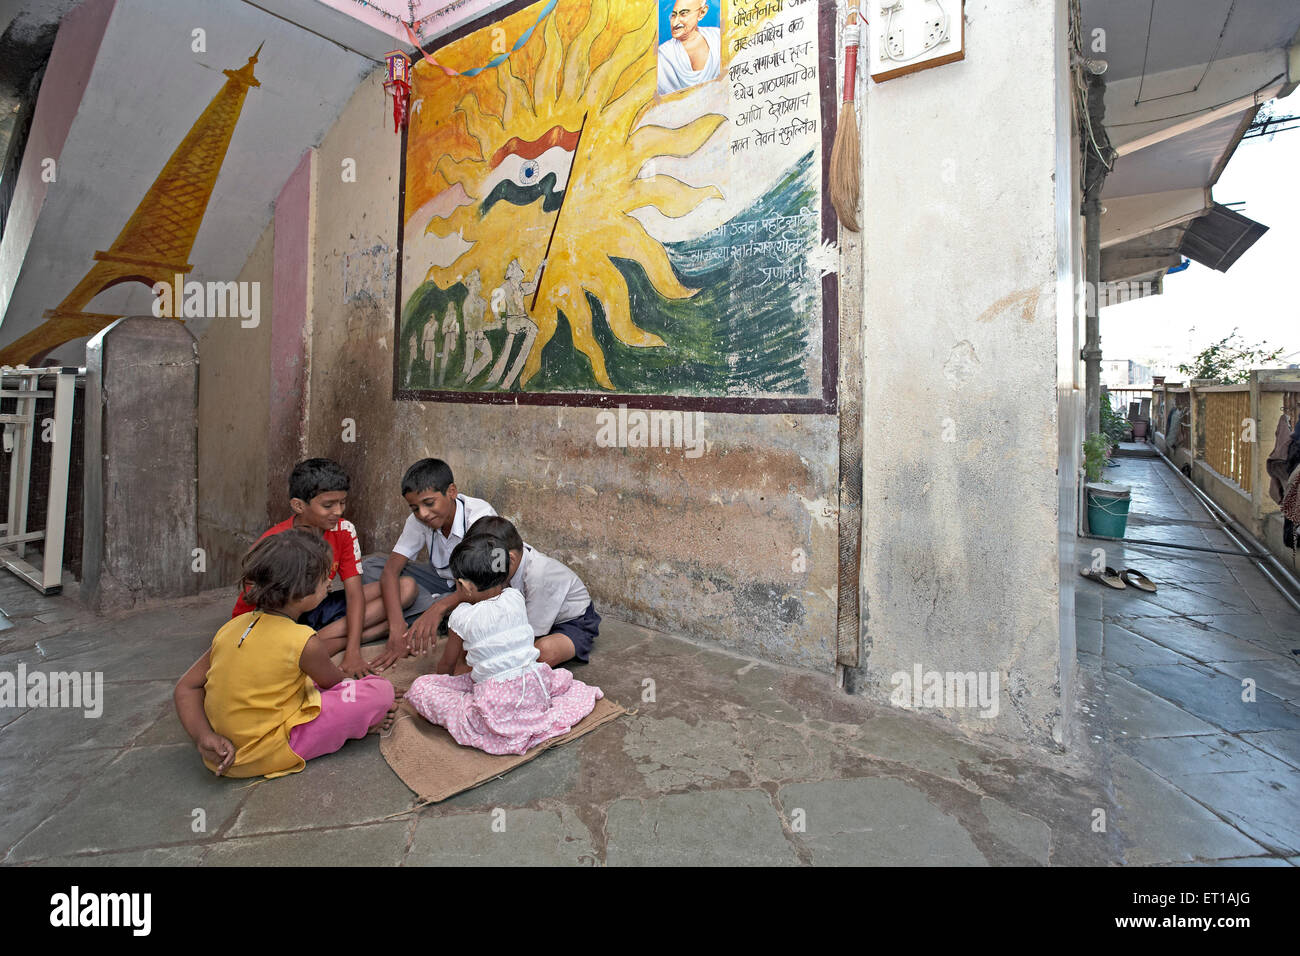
494	526
481	560
285	567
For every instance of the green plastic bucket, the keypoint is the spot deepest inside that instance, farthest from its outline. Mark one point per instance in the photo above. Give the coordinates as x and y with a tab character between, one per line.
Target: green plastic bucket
1108	509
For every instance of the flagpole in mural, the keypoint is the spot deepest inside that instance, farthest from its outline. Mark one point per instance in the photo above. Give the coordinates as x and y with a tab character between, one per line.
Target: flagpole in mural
558	213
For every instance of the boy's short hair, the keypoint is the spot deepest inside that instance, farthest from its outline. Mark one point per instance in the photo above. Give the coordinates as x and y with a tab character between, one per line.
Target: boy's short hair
502	529
284	567
483	561
427	473
315	476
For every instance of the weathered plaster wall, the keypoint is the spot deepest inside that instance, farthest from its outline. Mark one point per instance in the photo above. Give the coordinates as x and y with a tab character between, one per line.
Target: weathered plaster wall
960	562
702	547
234	402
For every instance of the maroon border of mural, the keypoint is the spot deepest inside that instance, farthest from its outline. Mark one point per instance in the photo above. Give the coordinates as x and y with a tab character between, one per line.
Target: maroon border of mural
827	404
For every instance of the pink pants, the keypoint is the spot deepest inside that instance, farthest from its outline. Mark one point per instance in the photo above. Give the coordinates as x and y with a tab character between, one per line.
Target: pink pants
347	711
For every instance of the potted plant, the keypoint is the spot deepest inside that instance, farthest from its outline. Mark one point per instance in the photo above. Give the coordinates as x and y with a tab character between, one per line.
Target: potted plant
1113	425
1107	502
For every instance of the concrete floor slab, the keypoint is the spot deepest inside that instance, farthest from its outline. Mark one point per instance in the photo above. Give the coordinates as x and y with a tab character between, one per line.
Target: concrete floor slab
330	793
1214	753
501	837
1282	744
1164	825
1267	630
1089	636
160	856
1137	712
1194	599
147	797
1261	803
1127	649
1217	698
1028	834
1240	861
33	791
381	844
128	711
1280	678
709	828
1192	638
868	821
552	776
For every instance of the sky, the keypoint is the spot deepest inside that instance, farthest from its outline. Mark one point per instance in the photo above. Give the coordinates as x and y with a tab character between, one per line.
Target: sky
1258	295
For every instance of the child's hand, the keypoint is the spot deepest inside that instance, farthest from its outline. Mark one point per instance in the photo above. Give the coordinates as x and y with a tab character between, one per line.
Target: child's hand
424	632
216	749
396	649
355	666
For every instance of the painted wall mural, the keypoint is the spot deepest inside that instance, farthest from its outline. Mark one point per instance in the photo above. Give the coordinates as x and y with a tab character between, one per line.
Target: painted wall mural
621	201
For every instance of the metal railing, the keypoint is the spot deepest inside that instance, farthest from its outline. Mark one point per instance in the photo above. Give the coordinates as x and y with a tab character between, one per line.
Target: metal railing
22	431
1229	442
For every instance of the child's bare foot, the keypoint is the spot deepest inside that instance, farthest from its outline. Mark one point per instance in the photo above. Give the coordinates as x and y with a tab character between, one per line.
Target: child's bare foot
386	722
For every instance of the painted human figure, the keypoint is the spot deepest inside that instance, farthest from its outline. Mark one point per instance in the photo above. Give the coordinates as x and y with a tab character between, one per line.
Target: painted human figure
430	344
694	54
517	321
415	350
478	351
450	333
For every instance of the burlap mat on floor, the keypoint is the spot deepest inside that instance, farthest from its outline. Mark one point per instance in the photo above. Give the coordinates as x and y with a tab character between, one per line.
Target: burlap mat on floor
432	764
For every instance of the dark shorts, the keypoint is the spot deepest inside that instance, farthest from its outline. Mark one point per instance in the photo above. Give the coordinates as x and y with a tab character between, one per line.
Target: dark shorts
582	630
429	584
327	611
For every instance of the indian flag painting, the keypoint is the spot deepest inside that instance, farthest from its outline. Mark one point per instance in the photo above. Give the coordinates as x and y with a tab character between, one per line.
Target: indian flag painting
571	233
523	172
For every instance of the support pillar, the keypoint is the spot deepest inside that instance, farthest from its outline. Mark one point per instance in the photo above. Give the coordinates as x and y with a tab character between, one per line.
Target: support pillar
141	513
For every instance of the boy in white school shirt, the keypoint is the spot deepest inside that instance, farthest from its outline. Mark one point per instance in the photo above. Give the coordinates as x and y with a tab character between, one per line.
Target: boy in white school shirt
440	517
564	620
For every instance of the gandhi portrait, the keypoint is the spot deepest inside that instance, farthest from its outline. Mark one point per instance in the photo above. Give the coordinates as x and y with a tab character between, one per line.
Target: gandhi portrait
694	53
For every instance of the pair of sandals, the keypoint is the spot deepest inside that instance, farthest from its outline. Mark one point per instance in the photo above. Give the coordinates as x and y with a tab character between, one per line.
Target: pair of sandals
1119	580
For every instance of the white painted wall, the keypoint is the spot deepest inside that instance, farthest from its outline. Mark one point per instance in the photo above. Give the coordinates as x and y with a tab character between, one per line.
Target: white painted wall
962	293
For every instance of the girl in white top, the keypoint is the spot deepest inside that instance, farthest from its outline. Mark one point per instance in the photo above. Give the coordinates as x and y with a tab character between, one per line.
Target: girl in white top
508	702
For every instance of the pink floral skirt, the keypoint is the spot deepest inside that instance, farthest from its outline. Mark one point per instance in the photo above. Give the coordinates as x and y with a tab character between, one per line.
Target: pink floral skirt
504	716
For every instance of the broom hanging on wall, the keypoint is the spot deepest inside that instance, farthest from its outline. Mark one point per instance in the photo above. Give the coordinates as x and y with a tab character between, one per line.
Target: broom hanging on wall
846	172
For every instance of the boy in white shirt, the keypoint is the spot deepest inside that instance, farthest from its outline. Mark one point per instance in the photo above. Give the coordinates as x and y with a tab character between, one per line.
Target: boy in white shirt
440	517
564	620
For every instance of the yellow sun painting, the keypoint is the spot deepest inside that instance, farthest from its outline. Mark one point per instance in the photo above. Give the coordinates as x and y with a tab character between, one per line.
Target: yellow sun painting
549	148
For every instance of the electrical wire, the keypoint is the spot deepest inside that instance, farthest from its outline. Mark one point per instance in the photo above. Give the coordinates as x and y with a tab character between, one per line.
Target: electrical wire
1206	72
1146	52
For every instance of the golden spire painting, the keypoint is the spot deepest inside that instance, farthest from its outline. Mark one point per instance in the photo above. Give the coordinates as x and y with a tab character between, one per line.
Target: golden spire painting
154	245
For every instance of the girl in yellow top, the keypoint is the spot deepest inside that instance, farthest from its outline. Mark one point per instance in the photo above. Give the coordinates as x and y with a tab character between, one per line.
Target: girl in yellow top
267	698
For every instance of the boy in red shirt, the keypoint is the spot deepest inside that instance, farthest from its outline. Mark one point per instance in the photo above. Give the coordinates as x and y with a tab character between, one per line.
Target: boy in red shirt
318	493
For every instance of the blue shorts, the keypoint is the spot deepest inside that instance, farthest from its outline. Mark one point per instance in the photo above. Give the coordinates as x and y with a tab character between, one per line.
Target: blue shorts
582	630
430	586
327	611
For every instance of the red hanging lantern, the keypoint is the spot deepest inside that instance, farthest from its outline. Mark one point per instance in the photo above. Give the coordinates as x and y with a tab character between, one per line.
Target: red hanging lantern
397	83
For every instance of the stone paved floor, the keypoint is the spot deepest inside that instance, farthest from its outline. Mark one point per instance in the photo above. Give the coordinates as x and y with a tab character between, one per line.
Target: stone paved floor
1197	773
734	761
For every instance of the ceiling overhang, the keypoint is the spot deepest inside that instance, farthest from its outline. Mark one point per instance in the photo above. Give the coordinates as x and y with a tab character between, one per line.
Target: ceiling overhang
1179	98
